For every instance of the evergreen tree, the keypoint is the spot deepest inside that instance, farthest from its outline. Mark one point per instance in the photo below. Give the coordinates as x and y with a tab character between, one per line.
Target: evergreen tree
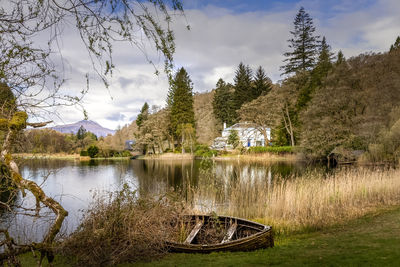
181	106
396	44
340	58
243	87
304	45
314	79
81	133
262	84
222	103
144	113
325	58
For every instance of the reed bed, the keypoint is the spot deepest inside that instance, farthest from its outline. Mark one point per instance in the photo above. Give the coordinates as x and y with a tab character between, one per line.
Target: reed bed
312	201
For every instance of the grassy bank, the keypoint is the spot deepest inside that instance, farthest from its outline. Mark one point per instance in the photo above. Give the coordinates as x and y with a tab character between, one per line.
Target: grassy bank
46	156
373	240
61	156
260	157
170	156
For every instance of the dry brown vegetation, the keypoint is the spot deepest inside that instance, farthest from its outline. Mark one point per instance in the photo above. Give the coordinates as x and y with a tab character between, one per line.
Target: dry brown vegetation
312	201
121	227
207	126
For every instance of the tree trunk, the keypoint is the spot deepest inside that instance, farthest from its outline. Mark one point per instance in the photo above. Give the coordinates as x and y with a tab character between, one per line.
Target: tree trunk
45	247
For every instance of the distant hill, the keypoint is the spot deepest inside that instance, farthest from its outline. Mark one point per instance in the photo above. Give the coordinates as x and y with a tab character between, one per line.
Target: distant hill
89	125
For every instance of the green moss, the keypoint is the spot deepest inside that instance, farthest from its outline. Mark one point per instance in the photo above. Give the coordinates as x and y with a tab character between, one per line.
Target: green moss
3	124
18	121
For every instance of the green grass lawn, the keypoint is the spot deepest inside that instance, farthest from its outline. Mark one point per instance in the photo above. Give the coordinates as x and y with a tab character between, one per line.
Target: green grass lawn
373	240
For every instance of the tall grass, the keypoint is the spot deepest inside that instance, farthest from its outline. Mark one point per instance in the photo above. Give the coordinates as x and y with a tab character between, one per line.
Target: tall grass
312	201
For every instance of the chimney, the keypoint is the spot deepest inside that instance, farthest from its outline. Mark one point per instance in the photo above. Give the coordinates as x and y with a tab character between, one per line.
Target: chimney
224	125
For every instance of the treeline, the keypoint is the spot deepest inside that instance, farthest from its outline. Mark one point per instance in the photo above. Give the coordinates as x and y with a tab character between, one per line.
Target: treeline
51	141
325	105
171	128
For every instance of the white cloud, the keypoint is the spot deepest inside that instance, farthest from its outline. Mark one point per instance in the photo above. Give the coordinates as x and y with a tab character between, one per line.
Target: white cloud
217	42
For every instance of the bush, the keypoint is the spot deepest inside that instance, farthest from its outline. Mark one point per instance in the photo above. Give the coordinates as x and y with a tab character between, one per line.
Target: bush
204	151
270	149
233	138
93	151
84	153
121	227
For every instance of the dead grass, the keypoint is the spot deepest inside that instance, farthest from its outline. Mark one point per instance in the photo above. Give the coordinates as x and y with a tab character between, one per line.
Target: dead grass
262	157
171	156
121	227
46	156
310	202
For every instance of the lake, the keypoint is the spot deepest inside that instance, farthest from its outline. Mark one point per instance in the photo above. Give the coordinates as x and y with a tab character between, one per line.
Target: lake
207	185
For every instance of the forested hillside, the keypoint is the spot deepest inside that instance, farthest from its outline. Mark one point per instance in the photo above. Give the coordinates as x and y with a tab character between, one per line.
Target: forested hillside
325	105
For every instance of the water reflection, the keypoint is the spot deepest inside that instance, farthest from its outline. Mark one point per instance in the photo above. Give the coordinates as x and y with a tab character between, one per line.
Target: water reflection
206	184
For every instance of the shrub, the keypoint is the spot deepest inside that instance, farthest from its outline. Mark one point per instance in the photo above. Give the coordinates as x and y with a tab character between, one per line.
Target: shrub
121	227
93	151
84	153
204	151
233	138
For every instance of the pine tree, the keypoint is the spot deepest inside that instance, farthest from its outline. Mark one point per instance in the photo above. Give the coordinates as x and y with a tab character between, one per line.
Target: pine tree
81	133
340	58
181	106
144	113
304	45
396	44
262	84
325	56
324	63
317	75
243	87
222	103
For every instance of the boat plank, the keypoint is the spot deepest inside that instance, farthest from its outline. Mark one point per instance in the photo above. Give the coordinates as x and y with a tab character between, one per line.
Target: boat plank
229	234
194	232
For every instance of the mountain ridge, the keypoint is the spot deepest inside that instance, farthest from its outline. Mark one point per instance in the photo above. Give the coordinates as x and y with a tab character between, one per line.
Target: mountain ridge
89	125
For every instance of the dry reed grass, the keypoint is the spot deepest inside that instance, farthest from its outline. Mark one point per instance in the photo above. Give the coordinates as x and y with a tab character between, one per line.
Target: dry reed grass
121	227
263	157
312	201
170	156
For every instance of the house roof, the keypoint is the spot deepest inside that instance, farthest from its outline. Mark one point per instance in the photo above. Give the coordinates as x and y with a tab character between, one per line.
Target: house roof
241	125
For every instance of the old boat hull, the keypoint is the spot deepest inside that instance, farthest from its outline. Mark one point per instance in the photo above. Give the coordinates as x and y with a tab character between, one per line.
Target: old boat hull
261	237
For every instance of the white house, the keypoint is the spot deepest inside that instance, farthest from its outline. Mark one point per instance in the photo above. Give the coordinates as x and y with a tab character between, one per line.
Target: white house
249	135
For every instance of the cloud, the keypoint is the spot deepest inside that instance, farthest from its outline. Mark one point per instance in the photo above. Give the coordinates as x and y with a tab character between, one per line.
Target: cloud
220	38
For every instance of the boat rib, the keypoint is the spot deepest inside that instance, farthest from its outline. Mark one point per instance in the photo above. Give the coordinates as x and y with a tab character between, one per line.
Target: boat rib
194	232
229	234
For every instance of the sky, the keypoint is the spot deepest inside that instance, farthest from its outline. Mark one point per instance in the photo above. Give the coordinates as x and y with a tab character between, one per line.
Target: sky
222	34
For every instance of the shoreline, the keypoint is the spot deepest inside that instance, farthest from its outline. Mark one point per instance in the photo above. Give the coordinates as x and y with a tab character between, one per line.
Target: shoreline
264	157
62	156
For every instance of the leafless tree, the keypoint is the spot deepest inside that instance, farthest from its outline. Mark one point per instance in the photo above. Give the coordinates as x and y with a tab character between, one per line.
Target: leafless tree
28	69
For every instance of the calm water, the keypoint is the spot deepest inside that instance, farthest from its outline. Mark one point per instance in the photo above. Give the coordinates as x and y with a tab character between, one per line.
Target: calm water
73	183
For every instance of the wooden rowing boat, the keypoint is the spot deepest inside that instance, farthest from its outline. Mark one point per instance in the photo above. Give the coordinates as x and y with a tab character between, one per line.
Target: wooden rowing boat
210	234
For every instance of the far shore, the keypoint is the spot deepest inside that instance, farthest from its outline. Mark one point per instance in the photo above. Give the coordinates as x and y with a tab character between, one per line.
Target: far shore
264	157
61	156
